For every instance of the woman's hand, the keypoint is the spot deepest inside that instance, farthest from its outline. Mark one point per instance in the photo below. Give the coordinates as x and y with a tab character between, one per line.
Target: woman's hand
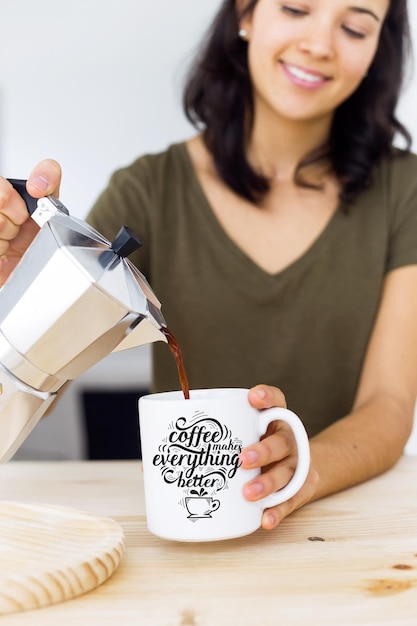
16	229
276	455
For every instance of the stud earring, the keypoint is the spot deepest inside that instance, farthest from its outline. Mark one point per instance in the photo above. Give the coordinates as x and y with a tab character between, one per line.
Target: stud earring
243	33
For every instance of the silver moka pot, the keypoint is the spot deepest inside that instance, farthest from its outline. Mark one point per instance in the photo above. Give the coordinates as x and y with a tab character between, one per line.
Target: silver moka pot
73	298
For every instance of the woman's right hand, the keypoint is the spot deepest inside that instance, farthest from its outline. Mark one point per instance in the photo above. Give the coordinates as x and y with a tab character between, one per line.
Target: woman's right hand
16	229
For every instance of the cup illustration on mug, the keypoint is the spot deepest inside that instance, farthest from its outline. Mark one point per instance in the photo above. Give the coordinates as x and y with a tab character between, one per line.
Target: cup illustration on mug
200	456
200	506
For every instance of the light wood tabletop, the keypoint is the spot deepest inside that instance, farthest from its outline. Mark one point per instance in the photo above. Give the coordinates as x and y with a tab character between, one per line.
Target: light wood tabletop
347	559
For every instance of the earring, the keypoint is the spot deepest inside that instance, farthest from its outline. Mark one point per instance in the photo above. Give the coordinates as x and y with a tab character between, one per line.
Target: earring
243	33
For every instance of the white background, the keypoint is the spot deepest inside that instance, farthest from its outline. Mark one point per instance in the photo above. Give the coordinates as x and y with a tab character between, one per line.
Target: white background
94	84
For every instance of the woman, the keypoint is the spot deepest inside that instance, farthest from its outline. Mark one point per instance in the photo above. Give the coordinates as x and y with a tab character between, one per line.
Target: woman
282	239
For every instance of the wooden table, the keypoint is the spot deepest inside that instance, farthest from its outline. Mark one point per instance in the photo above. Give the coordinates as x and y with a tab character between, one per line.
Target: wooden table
348	559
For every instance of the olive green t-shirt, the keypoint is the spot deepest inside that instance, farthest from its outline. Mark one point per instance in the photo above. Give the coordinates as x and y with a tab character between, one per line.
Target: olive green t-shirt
304	329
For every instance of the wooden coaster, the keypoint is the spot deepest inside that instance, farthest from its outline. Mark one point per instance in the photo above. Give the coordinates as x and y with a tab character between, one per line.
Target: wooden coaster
49	554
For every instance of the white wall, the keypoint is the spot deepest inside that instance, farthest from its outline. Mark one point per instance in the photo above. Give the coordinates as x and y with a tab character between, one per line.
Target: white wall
407	110
94	84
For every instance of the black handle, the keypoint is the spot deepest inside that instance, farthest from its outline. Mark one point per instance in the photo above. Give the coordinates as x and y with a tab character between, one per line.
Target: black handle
20	186
32	203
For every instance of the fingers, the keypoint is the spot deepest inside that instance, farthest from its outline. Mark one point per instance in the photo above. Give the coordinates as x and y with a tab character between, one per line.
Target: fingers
276	456
268	482
271	448
8	230
265	397
279	444
12	209
45	179
16	229
273	516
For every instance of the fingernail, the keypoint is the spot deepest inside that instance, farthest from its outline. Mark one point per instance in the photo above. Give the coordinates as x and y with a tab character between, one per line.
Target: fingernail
269	519
255	489
261	392
40	182
250	457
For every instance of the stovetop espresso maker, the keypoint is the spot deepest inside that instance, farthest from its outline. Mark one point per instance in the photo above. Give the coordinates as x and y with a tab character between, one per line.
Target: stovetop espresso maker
73	299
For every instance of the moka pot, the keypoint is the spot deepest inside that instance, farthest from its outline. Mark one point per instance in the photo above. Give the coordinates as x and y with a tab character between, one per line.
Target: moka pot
73	299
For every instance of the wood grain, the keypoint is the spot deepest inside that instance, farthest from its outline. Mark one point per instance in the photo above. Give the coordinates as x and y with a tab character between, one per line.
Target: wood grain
350	559
49	554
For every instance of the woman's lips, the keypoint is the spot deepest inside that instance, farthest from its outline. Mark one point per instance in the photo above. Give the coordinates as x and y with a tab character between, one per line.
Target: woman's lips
303	77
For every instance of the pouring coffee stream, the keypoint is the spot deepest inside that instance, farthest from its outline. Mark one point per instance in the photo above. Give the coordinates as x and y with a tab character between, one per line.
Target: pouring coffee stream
174	346
72	299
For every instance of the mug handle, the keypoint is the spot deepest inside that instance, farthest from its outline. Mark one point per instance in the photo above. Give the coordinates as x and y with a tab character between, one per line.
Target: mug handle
266	416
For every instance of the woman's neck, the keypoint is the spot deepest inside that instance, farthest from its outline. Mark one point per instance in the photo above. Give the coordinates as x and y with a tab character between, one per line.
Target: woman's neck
277	146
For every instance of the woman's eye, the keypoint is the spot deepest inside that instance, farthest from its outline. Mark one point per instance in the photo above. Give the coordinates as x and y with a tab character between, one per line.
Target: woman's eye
353	33
293	11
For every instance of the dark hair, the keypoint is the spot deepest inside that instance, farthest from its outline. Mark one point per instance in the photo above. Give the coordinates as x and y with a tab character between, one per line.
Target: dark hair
218	100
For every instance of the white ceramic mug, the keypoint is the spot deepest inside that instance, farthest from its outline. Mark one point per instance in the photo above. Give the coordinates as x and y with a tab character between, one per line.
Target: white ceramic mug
191	467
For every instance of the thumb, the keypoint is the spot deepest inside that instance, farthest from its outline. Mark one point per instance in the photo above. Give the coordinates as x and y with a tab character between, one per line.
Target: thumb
45	179
266	396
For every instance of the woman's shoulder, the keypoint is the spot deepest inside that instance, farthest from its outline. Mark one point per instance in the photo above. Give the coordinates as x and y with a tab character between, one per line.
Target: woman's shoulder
399	170
155	164
394	184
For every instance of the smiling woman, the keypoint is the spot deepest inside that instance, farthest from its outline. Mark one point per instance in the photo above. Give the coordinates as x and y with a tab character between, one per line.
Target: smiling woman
292	219
339	53
326	48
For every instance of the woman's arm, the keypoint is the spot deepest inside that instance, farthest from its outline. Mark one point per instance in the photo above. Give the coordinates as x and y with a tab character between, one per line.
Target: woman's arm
372	437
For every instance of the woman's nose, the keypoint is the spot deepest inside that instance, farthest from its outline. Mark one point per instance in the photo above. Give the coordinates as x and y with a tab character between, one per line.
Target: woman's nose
318	42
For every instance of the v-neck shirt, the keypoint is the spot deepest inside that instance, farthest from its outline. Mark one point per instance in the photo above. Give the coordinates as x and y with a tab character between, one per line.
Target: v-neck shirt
304	329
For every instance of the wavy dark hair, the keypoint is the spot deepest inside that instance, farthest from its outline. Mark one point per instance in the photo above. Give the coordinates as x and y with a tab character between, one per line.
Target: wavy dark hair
218	101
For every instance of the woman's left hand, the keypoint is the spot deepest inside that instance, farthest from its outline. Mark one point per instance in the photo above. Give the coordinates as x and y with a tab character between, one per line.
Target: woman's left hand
276	455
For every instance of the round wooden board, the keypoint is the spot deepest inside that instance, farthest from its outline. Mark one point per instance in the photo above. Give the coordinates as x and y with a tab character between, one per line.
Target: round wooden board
49	554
